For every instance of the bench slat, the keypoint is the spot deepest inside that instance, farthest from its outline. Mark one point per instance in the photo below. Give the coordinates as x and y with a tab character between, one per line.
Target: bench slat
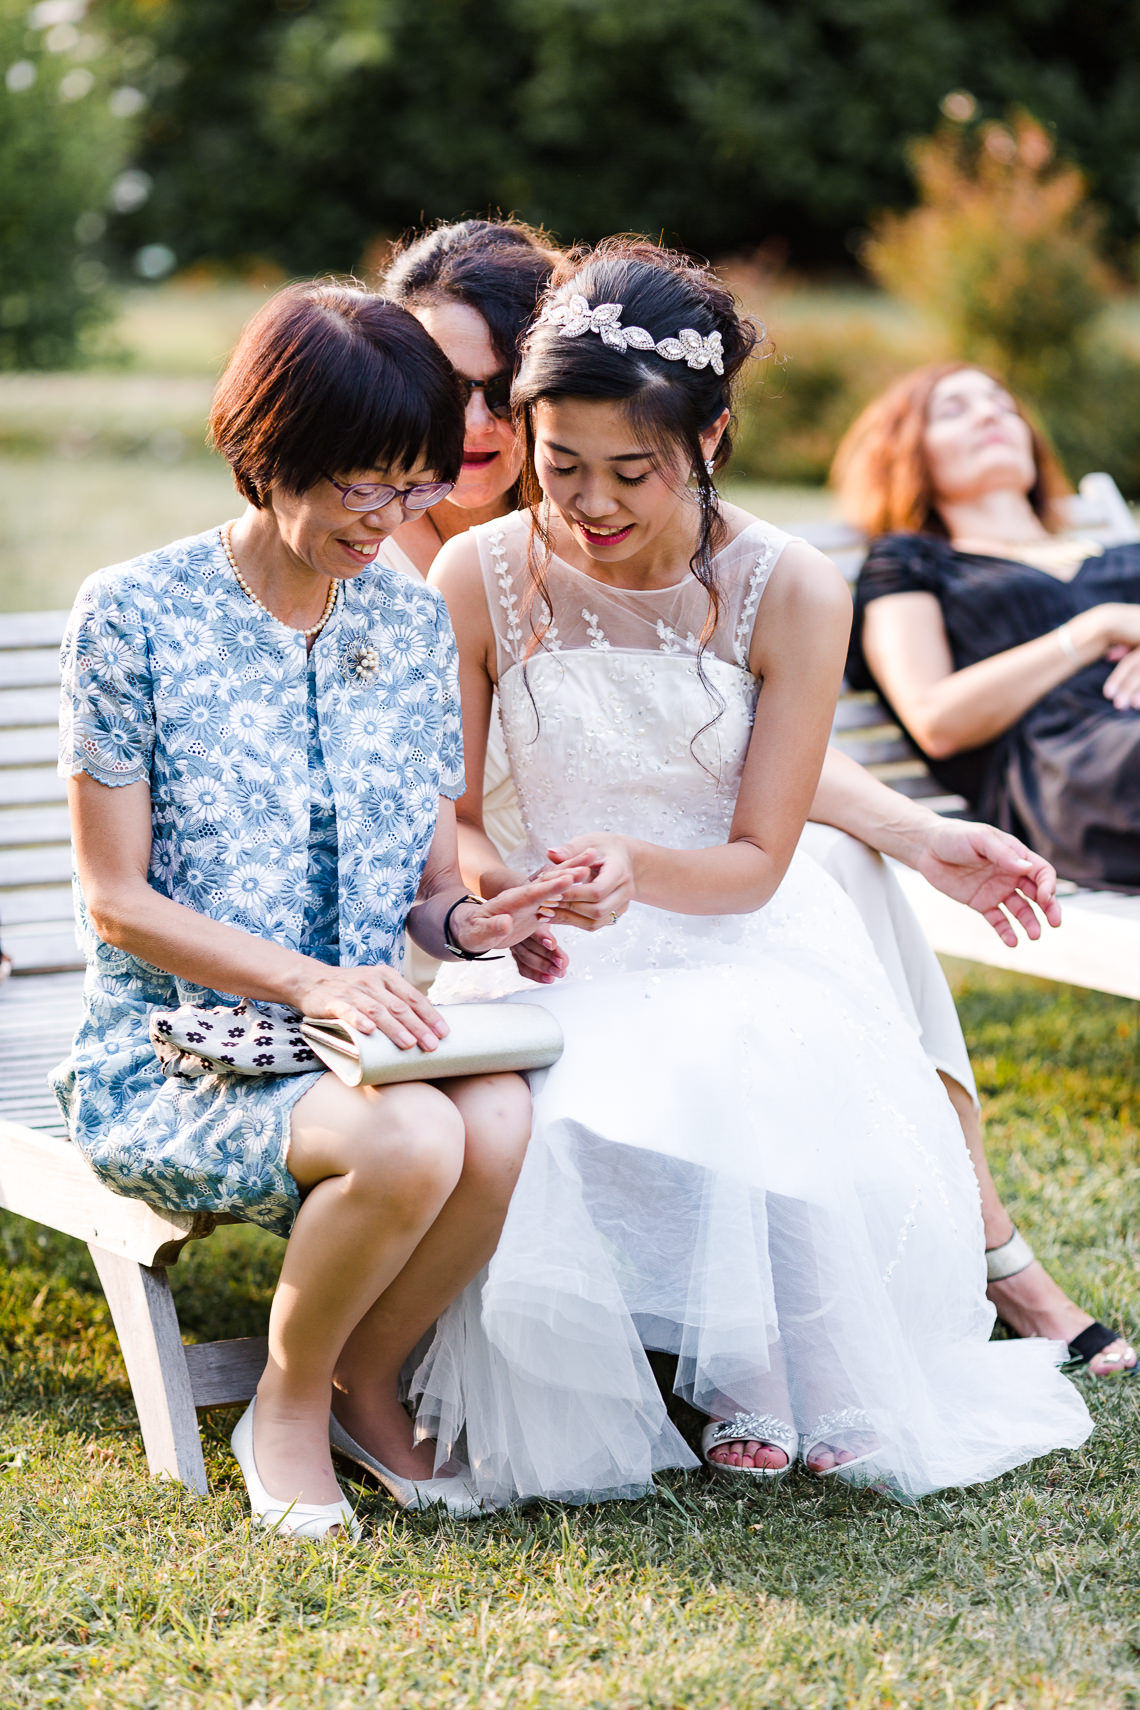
29	706
38	864
1097	944
23	787
924	789
32	629
38	667
860	712
25	827
39	950
32	905
879	750
222	1373
35	746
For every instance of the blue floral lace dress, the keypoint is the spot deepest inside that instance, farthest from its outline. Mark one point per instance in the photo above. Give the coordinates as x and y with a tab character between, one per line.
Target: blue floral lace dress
293	796
320	933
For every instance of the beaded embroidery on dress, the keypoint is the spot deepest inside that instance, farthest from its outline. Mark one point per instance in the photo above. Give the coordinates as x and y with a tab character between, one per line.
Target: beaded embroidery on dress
743	1156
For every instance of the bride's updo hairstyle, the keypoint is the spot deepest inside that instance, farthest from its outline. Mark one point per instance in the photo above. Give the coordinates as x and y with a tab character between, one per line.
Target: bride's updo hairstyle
669	403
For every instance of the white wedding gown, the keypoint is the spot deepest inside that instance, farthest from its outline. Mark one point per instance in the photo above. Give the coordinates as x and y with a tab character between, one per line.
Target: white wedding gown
744	1155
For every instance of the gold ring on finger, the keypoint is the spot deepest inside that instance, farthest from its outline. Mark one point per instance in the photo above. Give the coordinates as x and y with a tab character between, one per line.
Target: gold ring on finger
613	916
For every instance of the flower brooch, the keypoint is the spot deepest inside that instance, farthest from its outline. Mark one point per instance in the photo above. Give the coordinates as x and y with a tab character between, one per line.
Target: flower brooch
360	660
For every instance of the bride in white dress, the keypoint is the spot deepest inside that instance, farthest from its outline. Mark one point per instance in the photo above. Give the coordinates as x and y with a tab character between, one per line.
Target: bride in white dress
744	1156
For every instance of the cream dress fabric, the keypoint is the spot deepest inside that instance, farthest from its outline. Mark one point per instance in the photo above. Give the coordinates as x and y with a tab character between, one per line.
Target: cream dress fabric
744	1155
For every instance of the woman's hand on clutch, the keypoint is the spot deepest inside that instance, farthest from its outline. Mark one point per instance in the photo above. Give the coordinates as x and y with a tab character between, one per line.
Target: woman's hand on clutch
372	1000
990	871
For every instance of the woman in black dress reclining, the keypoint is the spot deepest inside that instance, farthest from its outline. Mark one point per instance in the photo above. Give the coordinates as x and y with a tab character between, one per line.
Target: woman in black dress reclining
1010	654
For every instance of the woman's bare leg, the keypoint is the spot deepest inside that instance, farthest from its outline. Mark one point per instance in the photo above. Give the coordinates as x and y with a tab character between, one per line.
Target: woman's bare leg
376	1167
1031	1302
495	1110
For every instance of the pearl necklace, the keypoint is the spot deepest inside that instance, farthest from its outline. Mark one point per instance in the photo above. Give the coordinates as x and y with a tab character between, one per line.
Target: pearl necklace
248	591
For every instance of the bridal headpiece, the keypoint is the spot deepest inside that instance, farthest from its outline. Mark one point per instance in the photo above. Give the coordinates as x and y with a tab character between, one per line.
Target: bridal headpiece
575	317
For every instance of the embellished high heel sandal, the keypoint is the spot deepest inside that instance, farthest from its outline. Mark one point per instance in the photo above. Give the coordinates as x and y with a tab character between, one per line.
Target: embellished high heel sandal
843	1422
290	1519
749	1428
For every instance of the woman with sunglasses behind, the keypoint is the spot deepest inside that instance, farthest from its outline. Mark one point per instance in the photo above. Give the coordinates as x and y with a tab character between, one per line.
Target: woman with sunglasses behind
473	286
261	731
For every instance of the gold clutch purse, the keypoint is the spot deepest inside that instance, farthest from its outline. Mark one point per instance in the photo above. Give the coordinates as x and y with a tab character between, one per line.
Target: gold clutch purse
485	1039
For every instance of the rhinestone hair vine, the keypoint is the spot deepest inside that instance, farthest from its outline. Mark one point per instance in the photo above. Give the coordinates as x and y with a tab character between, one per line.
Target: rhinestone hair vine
575	317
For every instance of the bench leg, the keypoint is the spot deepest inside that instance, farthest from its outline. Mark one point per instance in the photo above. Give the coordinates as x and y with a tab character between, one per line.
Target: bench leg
146	1322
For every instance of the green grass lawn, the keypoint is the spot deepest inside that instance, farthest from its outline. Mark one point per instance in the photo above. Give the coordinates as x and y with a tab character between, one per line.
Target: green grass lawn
115	1591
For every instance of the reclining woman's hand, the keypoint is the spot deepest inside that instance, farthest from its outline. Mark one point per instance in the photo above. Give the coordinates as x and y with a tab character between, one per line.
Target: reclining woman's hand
1113	629
1122	685
992	872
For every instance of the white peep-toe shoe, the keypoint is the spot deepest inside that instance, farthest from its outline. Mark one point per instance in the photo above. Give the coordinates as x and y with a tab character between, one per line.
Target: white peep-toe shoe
291	1519
750	1428
417	1493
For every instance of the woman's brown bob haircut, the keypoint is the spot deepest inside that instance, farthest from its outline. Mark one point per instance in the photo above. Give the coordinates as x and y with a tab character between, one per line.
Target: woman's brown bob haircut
880	470
329	379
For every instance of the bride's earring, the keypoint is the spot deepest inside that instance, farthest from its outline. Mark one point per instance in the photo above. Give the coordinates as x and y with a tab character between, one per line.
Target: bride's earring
706	491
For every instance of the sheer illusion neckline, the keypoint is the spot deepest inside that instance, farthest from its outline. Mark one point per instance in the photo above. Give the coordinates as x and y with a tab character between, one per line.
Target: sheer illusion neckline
666	588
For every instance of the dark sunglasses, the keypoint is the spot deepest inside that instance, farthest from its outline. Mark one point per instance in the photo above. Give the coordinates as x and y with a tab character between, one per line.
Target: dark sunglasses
496	392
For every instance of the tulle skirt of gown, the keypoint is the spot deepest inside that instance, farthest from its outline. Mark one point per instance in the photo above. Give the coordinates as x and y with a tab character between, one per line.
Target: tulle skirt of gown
899	944
743	1157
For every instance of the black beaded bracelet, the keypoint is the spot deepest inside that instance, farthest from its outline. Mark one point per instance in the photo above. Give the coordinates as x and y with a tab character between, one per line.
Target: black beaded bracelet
449	937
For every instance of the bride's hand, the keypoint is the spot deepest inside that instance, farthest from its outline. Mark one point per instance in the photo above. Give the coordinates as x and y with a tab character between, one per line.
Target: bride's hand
610	887
992	872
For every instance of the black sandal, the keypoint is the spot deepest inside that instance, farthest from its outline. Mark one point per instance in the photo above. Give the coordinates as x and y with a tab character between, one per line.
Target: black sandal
1093	1340
1017	1255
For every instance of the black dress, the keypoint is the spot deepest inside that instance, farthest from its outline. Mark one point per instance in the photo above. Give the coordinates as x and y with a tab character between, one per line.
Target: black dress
1066	777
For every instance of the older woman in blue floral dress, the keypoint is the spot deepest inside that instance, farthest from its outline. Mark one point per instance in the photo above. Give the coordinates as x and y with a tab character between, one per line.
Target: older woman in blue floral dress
261	731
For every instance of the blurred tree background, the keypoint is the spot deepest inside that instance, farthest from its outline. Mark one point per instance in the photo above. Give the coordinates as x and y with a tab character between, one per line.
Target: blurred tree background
299	130
889	180
64	142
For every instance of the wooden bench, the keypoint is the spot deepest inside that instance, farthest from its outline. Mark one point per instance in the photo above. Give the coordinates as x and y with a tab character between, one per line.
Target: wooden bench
1098	945
42	1175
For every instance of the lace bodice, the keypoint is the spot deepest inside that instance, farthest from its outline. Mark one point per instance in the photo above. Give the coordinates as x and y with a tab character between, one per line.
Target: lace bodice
613	719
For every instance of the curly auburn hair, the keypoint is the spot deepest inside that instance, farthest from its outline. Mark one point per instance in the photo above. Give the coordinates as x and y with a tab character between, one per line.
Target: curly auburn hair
880	470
